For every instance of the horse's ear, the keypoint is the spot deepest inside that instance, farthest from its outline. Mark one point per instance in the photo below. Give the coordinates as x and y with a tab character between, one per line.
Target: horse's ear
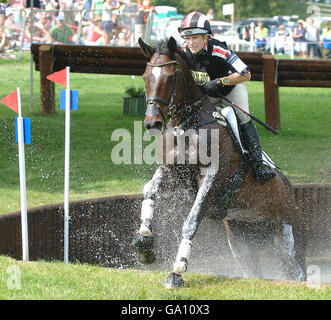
172	45
147	50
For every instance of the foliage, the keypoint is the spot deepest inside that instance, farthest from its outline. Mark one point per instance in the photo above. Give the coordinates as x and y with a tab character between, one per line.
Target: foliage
135	91
243	8
256	8
172	3
197	5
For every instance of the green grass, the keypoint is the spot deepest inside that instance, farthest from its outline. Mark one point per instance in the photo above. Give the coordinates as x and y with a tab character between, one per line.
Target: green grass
53	281
301	150
92	173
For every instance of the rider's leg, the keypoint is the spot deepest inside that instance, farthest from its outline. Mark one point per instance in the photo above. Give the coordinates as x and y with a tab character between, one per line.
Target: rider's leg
252	142
239	96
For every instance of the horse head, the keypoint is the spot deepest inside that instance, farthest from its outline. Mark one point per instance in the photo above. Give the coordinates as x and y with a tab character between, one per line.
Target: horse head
168	82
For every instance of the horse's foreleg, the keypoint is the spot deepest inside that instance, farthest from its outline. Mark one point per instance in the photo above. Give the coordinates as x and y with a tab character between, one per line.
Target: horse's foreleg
151	189
189	230
143	241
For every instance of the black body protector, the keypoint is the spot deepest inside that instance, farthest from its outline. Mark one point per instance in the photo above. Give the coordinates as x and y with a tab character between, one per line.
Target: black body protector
215	60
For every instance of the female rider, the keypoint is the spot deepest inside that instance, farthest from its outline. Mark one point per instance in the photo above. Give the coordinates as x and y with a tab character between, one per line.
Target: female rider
219	71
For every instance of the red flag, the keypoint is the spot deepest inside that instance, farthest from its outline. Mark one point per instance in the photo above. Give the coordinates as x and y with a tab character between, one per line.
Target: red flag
11	101
59	77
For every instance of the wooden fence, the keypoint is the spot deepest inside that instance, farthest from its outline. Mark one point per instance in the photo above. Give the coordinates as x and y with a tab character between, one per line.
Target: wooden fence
130	61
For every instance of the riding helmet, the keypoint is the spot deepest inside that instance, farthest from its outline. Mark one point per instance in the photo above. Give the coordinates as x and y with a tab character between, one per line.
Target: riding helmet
194	23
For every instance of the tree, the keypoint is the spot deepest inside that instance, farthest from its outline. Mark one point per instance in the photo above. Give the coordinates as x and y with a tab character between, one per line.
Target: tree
171	3
243	8
254	8
197	5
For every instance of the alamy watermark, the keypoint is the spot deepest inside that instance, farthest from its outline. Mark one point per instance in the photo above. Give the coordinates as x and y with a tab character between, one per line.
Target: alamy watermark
14	277
175	147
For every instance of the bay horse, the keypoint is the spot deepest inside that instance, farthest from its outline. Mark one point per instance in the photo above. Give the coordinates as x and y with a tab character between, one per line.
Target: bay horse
171	92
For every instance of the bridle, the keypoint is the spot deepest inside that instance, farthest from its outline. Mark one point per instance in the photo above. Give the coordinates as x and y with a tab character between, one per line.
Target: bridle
152	102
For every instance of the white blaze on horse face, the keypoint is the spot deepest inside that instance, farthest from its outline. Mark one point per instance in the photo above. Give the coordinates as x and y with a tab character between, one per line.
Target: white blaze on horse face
156	71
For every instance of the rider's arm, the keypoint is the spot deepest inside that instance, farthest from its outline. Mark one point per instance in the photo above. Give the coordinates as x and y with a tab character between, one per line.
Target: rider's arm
236	78
239	70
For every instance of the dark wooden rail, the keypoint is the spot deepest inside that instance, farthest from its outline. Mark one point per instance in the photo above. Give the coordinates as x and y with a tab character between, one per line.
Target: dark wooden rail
101	230
130	61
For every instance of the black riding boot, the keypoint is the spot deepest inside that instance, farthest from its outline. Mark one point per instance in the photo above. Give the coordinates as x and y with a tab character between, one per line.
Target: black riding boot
252	142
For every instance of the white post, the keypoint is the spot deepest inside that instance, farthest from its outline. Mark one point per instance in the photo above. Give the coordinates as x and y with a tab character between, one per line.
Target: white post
291	45
31	55
272	45
21	158
67	168
252	36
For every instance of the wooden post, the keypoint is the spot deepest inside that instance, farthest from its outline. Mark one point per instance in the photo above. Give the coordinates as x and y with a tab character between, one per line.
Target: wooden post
47	88
271	92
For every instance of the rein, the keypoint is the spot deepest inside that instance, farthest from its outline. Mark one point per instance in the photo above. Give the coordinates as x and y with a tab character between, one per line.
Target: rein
162	64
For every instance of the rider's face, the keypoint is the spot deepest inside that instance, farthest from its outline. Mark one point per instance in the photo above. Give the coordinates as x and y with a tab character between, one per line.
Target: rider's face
195	42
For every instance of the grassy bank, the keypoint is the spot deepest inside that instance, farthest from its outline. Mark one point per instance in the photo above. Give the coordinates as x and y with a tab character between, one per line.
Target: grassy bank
301	150
44	280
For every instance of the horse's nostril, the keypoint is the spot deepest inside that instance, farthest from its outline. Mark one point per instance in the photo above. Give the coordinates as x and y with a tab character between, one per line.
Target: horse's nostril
156	124
147	125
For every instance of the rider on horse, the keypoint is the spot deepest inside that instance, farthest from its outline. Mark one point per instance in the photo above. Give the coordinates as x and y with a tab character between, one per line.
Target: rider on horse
219	71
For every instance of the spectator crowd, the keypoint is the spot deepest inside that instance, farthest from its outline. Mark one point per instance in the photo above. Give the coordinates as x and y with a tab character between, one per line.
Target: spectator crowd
116	22
92	22
307	39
